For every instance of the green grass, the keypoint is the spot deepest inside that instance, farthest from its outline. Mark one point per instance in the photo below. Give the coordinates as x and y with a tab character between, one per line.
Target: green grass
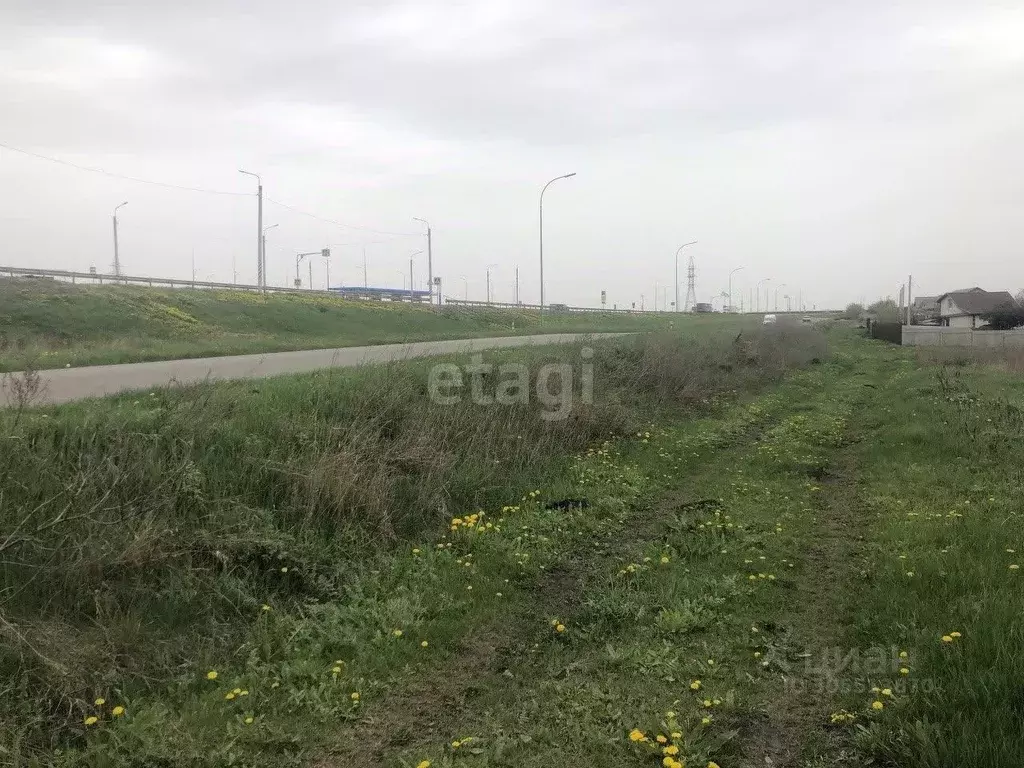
147	531
53	324
761	539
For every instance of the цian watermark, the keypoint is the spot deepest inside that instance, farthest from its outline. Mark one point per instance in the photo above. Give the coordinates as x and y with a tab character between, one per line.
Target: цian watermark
554	384
852	670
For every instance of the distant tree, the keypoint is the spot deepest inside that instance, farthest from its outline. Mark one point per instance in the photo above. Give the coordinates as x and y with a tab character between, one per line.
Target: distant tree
853	311
1004	317
885	311
1019	298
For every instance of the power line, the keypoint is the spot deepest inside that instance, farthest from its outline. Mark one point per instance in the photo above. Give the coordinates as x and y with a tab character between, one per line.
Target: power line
121	176
203	190
341	224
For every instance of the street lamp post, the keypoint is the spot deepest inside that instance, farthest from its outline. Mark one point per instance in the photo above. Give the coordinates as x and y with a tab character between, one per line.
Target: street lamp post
261	277
677	270
117	257
412	296
545	189
489	267
260	260
780	285
430	262
465	288
758	291
730	288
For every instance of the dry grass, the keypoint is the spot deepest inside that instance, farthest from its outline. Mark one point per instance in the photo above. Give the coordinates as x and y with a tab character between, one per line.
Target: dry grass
1006	358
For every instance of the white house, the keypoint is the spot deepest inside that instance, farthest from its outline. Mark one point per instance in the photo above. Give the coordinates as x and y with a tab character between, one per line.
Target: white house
963	309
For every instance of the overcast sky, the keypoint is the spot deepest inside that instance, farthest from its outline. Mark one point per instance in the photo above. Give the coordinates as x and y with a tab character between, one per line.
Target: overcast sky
830	147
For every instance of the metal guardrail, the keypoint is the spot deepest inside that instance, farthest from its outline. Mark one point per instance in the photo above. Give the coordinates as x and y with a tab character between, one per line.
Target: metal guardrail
397	294
350	292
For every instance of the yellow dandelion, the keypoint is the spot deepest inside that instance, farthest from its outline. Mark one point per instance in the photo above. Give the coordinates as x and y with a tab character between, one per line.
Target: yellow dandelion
955	635
229	695
560	628
671	749
266	607
660	739
904	671
91	720
248	721
355	696
695	685
117	711
877	705
903	654
397	633
211	675
637	735
947	638
423	764
424	644
100	702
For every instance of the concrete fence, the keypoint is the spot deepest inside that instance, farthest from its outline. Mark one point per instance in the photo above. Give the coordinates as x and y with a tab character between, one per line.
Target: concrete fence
936	336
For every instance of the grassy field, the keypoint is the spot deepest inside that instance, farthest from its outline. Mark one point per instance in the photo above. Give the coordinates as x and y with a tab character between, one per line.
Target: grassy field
742	554
47	324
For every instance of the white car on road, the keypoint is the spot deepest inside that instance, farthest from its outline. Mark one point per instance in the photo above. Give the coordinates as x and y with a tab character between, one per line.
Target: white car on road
769	320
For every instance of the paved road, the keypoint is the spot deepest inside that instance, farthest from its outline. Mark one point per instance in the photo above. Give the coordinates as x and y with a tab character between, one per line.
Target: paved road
66	384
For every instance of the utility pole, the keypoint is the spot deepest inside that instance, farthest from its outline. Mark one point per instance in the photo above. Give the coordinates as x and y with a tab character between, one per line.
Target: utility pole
366	284
430	263
910	283
234	270
410	280
327	262
517	285
310	265
193	267
260	254
117	257
263	250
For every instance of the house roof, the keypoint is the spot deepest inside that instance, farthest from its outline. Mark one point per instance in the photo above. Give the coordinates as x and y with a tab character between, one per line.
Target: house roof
975	301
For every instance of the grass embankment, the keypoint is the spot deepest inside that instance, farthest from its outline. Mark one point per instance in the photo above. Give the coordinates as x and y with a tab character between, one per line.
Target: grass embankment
51	324
819	575
253	529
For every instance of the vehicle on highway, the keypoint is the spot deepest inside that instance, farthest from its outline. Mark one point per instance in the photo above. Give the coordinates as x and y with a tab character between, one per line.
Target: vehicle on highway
805	319
769	320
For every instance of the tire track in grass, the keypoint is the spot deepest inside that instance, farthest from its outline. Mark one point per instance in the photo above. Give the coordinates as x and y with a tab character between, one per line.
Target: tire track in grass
558	558
541	703
793	724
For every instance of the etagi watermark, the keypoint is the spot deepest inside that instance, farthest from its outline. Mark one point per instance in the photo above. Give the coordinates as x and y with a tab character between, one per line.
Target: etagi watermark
554	386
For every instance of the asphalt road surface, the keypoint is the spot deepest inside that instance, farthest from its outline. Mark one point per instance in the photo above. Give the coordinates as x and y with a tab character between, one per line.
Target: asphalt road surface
63	385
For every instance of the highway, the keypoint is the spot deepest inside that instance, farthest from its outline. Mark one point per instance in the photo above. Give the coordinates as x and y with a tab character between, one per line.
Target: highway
64	385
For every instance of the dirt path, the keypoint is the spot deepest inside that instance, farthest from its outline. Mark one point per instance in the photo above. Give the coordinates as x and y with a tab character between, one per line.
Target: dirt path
795	729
